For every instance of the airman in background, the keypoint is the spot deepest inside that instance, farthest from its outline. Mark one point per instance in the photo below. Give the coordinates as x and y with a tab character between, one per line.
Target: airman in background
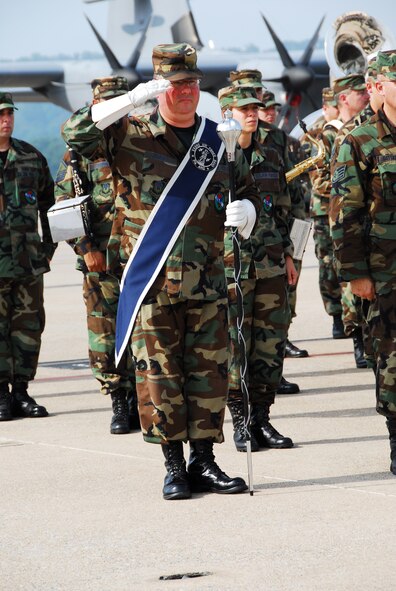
266	269
273	137
350	94
26	194
353	315
100	288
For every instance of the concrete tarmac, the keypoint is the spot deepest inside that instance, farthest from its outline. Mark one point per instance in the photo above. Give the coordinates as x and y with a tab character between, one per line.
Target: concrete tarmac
82	510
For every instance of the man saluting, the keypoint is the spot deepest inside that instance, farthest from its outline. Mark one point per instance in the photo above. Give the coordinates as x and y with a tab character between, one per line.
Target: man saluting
171	207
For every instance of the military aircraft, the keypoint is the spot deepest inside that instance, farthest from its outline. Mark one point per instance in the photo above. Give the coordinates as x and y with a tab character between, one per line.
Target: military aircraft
135	26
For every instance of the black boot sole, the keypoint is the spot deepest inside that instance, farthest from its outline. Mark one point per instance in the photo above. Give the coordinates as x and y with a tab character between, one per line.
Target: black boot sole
197	487
176	496
265	444
120	431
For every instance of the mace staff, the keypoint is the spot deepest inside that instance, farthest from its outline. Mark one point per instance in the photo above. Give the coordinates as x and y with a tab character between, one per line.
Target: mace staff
229	131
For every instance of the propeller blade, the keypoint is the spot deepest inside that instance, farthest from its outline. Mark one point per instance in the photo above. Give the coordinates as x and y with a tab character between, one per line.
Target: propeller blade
284	54
285	110
111	58
280	80
311	46
138	49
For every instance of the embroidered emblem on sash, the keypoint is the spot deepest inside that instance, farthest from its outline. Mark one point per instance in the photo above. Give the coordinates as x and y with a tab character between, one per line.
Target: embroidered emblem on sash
203	157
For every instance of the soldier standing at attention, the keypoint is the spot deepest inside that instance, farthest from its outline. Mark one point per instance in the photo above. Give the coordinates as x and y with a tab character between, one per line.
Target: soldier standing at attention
353	316
351	96
100	288
273	137
364	233
266	270
26	193
168	236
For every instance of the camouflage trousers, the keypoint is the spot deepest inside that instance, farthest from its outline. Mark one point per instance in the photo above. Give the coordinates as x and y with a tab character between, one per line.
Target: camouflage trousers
100	293
265	326
329	286
180	348
292	290
382	324
22	321
351	309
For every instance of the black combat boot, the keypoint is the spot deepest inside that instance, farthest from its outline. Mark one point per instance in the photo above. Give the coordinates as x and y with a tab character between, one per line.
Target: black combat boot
238	421
205	475
286	387
5	403
358	348
134	421
24	405
338	327
264	432
120	419
176	484
391	424
294	352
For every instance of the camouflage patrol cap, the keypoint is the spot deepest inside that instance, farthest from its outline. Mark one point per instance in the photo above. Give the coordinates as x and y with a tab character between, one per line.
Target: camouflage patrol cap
350	82
250	78
268	100
232	96
105	88
372	68
386	63
328	96
175	61
6	101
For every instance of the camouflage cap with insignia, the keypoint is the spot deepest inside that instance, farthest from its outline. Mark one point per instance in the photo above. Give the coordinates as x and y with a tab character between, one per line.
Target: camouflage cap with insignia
232	96
6	101
350	82
175	61
250	78
268	100
328	97
386	64
104	88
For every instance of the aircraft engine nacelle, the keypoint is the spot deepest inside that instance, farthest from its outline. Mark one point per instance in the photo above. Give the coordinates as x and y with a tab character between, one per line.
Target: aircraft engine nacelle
354	38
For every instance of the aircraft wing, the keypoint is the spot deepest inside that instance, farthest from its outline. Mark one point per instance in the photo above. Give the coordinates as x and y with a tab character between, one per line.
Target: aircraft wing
30	74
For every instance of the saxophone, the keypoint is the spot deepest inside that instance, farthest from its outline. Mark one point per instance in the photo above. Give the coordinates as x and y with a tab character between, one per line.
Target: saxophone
308	162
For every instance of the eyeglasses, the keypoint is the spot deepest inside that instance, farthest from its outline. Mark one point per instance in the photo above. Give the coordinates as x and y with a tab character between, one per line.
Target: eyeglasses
192	83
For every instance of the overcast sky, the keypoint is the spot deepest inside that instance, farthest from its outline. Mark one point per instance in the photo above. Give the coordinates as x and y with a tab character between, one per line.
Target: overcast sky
51	27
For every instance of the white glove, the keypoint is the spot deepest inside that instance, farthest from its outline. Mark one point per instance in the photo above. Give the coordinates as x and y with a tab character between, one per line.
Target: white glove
107	112
241	214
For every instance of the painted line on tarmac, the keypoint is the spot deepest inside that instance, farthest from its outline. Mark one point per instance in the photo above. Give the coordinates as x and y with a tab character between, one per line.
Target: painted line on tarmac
303	483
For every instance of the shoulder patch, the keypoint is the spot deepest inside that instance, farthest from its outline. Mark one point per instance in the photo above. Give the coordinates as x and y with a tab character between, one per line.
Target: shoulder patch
339	174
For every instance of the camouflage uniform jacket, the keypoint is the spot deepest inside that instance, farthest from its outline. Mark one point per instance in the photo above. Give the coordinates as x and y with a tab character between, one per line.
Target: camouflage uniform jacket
145	155
365	182
26	192
97	180
263	254
360	118
321	177
273	137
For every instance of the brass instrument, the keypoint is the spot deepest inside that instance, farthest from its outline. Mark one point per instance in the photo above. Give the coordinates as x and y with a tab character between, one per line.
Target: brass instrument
354	38
306	164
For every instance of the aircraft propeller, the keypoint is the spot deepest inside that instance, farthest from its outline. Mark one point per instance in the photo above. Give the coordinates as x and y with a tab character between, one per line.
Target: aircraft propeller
129	72
296	78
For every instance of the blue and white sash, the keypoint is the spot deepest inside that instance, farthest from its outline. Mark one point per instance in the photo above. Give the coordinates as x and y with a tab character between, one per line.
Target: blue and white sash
163	227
